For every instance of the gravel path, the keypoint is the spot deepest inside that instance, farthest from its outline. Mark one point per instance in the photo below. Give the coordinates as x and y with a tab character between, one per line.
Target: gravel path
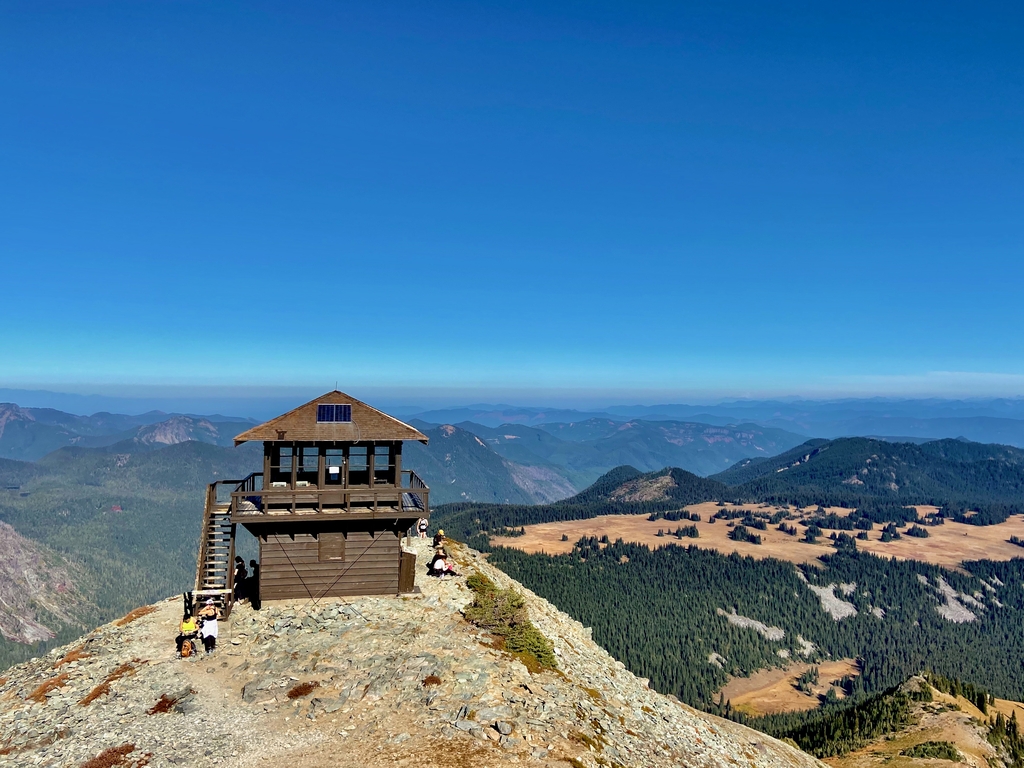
364	662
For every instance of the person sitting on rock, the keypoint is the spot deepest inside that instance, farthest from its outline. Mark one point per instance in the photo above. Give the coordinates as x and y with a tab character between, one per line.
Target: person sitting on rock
439	538
187	630
441	564
208	627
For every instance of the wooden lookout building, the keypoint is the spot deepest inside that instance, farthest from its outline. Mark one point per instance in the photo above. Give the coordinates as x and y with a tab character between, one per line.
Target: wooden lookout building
329	509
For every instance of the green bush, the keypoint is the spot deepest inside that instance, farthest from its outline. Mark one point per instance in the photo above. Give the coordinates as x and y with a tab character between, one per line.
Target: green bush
502	612
942	750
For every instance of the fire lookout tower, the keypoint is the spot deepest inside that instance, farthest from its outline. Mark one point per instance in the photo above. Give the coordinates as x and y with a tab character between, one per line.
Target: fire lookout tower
329	508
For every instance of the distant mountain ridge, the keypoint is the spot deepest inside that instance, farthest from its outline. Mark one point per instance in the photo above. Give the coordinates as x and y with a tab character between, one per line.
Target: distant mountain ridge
852	472
996	420
993	420
459	466
849	469
585	450
28	434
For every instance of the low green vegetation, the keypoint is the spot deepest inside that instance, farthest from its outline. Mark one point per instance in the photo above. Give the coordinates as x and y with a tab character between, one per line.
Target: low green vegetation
502	612
939	750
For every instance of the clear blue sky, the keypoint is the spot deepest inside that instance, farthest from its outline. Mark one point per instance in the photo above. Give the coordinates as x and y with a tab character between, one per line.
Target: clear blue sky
744	198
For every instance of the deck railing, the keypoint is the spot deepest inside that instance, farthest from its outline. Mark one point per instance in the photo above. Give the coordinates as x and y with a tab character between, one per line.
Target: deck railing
250	500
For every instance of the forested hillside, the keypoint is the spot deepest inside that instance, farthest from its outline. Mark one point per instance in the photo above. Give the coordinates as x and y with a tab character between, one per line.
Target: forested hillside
127	522
131	518
460	466
666	614
624	490
849	471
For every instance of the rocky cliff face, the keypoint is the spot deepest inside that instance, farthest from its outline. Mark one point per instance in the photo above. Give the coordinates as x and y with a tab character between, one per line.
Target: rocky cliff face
37	586
177	429
355	682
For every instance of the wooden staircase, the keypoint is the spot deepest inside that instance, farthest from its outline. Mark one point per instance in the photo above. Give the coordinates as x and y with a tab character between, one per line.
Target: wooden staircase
214	568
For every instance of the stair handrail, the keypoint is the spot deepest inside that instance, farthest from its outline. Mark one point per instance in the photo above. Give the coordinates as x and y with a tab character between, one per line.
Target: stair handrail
211	491
209	504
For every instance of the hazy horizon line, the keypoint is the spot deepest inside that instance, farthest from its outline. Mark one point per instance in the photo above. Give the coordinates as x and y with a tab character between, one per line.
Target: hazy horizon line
135	399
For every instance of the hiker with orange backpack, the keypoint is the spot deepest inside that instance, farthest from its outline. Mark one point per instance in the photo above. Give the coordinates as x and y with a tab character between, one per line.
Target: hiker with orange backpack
188	632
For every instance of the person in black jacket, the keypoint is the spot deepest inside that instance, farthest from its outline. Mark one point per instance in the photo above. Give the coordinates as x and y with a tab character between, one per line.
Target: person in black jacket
241	579
253	585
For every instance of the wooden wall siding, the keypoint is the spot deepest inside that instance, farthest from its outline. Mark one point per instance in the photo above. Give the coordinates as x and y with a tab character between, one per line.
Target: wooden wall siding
332	547
407	573
290	565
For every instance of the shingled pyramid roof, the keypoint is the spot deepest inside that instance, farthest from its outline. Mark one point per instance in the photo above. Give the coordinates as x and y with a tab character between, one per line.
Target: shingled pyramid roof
300	425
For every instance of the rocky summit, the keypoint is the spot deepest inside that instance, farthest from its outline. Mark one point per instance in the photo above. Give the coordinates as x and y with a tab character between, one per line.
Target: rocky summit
355	682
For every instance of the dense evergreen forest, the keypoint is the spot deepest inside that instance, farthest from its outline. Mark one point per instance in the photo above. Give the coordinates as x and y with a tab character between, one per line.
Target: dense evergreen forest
661	612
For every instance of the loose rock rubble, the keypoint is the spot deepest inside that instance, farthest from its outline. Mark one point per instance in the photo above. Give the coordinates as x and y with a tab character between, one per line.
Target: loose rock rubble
356	682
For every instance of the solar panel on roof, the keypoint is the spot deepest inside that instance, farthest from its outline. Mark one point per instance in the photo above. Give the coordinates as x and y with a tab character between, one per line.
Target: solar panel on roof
328	413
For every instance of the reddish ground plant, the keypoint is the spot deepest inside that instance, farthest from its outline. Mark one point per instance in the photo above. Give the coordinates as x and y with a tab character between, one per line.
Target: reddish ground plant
431	680
131	616
163	704
303	689
117	757
39	694
76	654
128	668
166	703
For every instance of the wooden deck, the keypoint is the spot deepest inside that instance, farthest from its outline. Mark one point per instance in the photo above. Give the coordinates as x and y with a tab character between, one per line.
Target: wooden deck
250	501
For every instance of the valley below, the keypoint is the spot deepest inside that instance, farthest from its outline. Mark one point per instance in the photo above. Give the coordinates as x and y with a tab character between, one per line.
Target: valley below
947	545
865	561
774	691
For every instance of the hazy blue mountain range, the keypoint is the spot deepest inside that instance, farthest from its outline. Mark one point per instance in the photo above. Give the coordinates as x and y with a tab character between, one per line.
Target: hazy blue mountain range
30	433
983	421
585	450
496	415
